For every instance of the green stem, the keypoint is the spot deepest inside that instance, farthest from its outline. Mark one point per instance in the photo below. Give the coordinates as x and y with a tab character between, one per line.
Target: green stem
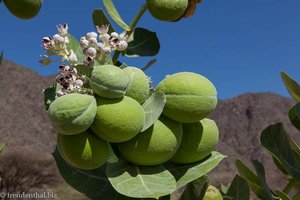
291	183
132	26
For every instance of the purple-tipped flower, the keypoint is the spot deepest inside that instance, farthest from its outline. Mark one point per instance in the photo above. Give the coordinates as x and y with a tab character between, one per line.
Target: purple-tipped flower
84	43
121	45
47	43
88	61
102	29
59	40
91	52
91	35
62	29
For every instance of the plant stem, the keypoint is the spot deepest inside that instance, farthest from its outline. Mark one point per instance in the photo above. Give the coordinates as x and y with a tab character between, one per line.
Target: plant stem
291	183
132	26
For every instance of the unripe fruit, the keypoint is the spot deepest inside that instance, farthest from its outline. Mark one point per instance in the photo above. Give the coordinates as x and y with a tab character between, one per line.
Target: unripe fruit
190	96
212	193
154	146
167	10
198	141
24	9
118	120
84	151
72	113
138	87
109	81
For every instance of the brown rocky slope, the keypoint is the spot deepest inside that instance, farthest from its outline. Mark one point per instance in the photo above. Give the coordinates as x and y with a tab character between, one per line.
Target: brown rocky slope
25	128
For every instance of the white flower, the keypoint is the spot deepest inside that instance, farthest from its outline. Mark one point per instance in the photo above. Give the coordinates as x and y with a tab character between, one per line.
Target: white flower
59	40
121	45
91	35
72	58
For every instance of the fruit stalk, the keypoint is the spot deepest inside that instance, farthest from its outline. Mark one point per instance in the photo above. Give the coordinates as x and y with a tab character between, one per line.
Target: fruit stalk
132	26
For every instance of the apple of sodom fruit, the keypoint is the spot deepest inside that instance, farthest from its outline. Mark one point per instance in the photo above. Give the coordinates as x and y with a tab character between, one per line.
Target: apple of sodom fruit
24	9
109	81
190	96
72	113
212	193
198	141
138	87
167	10
154	146
118	120
84	151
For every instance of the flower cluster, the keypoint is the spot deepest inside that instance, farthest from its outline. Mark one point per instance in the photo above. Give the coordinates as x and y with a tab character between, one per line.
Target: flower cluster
97	50
57	45
69	80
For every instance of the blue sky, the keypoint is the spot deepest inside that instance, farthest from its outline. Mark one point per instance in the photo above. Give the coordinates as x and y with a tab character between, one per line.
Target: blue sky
241	46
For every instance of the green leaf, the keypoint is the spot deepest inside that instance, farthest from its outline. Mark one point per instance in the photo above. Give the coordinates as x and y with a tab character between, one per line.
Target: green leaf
238	189
277	142
260	171
143	43
282	195
291	85
2	145
294	147
224	188
251	178
84	70
93	183
185	174
112	11
75	46
1	57
153	108
140	182
196	189
279	165
50	94
294	115
99	19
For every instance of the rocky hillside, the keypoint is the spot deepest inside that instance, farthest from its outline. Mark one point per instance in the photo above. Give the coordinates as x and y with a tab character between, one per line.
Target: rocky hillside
25	128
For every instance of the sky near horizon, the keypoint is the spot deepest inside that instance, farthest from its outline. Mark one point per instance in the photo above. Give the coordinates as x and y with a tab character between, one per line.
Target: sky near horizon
241	46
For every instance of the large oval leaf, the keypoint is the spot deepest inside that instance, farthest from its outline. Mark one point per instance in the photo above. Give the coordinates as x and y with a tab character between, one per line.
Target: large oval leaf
99	19
251	178
238	189
291	85
294	115
92	183
185	174
277	142
196	189
153	108
50	94
112	11
260	171
140	182
143	43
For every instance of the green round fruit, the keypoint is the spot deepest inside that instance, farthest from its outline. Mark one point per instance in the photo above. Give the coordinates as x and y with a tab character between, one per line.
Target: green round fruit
190	96
198	141
167	10
109	81
118	120
138	87
212	193
72	113
84	151
24	9
154	146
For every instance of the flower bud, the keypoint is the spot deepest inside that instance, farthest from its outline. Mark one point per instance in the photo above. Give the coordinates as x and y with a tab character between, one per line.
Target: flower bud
84	43
58	39
72	58
91	35
62	29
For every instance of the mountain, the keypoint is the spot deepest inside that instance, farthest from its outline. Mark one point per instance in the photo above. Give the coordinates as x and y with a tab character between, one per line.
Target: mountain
25	128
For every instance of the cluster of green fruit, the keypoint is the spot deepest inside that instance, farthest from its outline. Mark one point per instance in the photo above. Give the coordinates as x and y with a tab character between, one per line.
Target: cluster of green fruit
23	9
172	10
87	125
